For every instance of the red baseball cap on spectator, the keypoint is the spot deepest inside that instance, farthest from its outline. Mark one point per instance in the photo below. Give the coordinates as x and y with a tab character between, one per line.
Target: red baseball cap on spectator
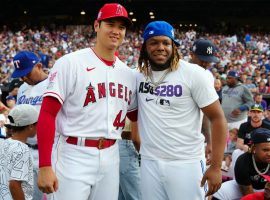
113	10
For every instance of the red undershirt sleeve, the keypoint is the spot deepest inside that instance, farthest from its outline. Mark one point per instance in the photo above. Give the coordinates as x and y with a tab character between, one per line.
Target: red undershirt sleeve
46	129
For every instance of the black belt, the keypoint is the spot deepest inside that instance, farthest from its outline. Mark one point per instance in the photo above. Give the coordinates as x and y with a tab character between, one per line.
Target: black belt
32	146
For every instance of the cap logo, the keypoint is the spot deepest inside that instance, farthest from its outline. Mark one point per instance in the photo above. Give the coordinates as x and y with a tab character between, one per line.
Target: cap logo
151	32
119	10
99	14
209	50
11	119
194	48
268	139
16	63
172	33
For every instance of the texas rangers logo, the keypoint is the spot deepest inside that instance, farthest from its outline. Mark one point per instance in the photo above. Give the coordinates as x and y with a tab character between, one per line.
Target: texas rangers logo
209	50
16	63
119	10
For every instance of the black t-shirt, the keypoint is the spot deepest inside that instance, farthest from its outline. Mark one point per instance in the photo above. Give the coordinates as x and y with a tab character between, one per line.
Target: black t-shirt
245	173
246	129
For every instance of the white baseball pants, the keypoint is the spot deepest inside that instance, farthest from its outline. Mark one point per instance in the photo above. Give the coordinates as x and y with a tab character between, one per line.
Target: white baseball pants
172	180
85	173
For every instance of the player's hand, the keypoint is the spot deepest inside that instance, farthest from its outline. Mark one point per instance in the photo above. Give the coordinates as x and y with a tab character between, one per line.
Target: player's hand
213	176
47	181
208	151
236	112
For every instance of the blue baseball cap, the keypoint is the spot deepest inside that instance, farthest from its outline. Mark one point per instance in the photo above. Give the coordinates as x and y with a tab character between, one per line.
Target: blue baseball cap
159	28
260	135
205	50
233	74
10	98
24	62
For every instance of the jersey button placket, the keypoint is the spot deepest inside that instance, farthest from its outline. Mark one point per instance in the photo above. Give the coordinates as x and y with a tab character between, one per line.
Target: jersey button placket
109	101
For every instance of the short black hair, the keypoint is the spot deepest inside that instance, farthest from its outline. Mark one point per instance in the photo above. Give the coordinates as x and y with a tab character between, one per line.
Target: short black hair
15	128
18	128
15	83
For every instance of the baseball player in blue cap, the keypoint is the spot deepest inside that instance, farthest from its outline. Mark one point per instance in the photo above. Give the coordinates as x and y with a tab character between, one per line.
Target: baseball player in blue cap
171	95
29	69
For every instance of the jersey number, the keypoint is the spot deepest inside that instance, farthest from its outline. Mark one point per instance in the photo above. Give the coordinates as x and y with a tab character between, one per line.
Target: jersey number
117	122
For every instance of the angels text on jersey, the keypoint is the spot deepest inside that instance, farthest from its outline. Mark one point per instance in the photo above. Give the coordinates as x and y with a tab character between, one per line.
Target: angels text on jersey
116	90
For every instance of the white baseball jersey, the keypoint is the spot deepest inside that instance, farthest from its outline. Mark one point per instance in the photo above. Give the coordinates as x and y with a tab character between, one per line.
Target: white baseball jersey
95	97
33	95
15	164
169	116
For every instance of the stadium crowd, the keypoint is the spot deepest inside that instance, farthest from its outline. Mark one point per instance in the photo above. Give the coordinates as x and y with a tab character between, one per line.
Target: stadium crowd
247	54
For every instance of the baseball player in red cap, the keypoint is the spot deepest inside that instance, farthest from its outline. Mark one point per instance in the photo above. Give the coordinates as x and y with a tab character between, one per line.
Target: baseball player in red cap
88	96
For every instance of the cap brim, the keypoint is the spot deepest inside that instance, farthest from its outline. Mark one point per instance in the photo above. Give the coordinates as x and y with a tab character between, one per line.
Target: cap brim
256	110
237	77
176	43
211	59
8	126
20	73
127	21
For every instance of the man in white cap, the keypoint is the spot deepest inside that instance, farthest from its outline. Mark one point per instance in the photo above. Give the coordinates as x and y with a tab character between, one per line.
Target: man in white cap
16	166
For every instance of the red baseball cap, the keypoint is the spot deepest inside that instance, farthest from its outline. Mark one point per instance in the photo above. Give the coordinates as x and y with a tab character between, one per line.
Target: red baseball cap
113	10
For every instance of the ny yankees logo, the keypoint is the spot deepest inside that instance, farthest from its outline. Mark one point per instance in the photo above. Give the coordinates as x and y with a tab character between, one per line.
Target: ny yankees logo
16	63
209	50
119	10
